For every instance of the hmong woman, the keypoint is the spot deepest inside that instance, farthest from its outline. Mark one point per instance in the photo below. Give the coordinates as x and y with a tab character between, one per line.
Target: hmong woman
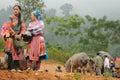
14	29
37	44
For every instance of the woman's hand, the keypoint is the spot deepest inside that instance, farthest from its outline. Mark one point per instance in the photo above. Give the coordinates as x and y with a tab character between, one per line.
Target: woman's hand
17	36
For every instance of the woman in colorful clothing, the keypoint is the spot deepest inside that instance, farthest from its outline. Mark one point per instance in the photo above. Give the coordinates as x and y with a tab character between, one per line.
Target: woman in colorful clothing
15	28
36	48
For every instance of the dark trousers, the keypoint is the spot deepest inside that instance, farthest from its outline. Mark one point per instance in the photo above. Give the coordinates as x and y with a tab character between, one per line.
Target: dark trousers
102	70
10	62
16	64
35	65
13	64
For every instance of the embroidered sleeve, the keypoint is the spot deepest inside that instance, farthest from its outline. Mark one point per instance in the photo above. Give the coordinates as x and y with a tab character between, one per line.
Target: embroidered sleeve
38	28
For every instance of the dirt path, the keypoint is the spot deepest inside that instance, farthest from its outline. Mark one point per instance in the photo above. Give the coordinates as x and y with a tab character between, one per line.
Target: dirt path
47	72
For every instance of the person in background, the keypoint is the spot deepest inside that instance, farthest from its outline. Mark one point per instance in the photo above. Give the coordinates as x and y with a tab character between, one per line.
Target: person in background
98	64
112	64
13	32
106	63
36	48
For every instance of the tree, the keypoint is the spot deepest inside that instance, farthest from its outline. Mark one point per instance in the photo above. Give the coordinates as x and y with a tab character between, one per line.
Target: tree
86	34
67	29
98	37
102	32
66	8
30	5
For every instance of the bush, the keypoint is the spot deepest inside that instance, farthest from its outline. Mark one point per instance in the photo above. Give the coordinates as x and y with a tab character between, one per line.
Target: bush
58	55
2	44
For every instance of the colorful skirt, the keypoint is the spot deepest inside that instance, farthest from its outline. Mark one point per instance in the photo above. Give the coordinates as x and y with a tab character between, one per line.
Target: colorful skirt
36	48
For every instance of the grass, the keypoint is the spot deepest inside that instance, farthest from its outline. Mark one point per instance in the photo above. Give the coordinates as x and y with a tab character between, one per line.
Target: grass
77	75
107	74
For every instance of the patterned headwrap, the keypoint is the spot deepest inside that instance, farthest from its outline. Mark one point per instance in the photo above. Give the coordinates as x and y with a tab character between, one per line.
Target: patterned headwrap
37	14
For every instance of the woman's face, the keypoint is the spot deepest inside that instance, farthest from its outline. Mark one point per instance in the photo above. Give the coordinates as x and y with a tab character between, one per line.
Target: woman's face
16	10
33	17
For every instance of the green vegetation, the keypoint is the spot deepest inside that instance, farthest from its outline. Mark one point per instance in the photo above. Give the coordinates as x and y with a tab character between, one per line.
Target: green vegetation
88	34
2	44
58	55
77	75
107	74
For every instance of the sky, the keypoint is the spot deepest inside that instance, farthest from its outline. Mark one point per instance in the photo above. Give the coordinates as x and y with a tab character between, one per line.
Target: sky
94	8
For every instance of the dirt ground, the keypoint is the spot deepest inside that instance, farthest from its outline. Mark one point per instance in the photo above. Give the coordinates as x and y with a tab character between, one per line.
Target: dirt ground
47	72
